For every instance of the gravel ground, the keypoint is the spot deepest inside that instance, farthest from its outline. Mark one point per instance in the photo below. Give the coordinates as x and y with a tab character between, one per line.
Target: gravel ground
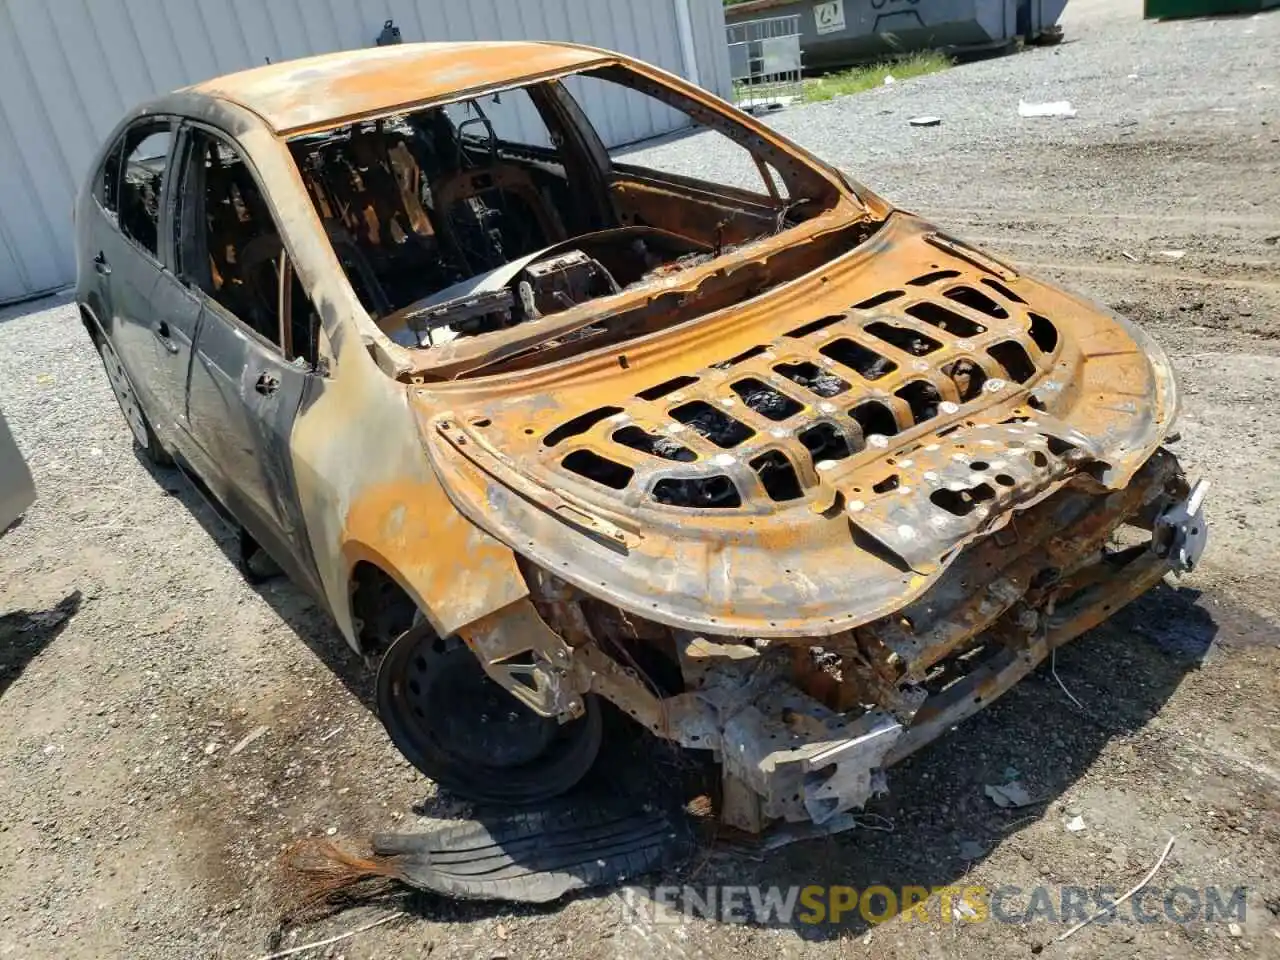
133	658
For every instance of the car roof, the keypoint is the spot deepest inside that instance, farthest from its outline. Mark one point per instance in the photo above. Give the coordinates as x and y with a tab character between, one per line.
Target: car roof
327	90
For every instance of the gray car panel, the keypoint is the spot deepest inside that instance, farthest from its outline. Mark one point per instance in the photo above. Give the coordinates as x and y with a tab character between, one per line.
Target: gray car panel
130	274
242	400
17	490
241	395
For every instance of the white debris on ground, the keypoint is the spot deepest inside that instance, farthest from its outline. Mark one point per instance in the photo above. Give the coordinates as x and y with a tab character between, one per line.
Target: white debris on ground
1058	108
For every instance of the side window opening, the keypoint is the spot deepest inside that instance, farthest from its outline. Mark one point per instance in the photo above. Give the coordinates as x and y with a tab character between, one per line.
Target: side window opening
780	186
141	184
228	245
699	153
301	327
107	187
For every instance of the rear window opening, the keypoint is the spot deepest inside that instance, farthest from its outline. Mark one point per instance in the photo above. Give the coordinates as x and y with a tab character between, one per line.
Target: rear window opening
488	216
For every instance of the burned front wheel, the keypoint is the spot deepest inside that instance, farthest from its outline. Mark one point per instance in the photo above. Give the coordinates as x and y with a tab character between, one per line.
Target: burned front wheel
471	736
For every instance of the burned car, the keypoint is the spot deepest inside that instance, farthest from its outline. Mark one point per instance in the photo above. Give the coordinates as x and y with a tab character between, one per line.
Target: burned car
782	472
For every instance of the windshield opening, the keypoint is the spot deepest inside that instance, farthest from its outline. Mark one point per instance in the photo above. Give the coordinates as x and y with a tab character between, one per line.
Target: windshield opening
501	211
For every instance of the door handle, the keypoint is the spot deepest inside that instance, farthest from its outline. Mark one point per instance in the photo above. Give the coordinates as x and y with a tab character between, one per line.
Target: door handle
267	384
161	330
101	266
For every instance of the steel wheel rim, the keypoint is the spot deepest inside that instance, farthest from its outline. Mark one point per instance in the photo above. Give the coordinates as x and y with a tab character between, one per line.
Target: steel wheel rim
542	761
125	396
517	736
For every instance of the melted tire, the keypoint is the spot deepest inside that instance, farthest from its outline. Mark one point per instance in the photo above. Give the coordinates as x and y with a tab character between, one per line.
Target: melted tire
537	856
418	677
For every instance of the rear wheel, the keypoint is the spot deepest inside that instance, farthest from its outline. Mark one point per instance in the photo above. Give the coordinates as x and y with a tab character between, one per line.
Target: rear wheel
130	406
468	734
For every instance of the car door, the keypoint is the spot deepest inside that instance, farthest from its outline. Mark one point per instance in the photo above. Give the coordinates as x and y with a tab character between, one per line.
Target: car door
103	227
243	391
242	403
128	264
175	311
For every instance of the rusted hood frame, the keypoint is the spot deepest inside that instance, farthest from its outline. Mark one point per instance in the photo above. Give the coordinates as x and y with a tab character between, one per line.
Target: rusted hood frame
1099	402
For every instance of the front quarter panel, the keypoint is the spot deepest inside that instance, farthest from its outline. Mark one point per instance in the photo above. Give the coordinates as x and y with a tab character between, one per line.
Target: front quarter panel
368	494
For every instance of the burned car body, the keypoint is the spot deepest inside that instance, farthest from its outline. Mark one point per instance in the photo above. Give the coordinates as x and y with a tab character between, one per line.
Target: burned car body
784	473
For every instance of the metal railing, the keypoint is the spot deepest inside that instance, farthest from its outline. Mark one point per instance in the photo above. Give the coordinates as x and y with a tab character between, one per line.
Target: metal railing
765	63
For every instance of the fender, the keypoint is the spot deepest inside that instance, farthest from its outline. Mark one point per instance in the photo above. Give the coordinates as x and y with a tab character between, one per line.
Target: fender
368	493
455	572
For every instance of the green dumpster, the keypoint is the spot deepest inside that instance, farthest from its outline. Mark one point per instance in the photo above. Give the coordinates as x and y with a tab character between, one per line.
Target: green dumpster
1162	9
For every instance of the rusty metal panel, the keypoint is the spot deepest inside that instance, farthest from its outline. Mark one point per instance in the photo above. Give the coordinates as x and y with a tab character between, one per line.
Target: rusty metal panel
69	70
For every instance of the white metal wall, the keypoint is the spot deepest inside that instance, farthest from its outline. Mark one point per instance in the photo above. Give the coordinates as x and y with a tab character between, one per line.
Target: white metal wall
69	69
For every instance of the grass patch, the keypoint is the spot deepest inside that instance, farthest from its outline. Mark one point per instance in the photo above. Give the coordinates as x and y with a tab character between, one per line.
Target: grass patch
858	79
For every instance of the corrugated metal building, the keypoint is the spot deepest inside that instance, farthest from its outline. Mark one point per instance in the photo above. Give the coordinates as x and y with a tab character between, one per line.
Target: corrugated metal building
69	69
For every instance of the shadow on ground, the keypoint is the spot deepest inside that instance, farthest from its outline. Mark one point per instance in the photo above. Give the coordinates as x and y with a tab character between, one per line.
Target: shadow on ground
25	633
35	303
294	605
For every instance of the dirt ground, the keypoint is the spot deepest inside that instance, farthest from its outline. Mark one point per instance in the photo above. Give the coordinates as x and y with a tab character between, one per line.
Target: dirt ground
134	659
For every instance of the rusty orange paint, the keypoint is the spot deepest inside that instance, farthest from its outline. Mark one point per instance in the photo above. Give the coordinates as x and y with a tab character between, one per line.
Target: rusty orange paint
411	531
324	91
